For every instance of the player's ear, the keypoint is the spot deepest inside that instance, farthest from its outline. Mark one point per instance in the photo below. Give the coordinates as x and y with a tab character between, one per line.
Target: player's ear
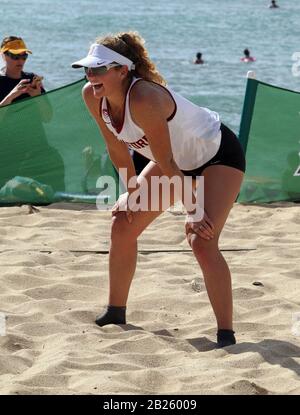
124	71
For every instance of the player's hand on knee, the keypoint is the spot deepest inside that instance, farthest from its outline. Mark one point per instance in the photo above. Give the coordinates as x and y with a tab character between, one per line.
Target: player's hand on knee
121	205
204	227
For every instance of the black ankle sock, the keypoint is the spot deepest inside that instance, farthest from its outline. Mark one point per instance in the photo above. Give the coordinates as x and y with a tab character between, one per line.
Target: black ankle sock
112	315
225	338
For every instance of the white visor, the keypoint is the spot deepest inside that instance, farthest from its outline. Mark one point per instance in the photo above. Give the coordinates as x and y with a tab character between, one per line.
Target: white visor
100	55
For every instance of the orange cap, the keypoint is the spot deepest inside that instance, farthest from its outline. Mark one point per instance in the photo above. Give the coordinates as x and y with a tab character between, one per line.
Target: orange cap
16	47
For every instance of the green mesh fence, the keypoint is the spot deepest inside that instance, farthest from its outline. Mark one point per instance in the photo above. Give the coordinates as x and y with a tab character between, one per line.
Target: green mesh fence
52	150
270	135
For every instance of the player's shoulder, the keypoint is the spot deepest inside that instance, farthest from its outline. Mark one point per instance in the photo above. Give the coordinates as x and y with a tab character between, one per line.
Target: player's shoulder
145	92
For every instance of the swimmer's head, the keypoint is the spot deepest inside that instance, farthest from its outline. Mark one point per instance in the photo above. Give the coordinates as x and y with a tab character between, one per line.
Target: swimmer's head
247	52
199	55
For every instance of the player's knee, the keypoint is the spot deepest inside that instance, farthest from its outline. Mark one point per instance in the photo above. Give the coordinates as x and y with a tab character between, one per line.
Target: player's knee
121	229
200	245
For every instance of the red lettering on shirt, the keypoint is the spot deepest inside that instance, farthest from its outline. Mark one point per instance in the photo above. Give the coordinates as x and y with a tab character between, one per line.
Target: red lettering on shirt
141	143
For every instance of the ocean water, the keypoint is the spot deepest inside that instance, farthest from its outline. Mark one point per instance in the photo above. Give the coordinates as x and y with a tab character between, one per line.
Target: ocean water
60	32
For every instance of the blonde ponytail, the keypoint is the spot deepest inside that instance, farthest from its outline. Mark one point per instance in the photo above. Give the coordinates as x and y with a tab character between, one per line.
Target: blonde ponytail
131	45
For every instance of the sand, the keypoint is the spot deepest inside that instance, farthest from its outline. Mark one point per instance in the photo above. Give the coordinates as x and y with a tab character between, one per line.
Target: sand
54	282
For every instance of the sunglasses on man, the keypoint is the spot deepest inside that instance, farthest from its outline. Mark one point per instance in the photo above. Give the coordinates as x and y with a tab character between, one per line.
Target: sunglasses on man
14	57
101	70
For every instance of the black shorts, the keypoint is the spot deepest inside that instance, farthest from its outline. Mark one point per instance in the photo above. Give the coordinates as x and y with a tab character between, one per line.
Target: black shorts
229	154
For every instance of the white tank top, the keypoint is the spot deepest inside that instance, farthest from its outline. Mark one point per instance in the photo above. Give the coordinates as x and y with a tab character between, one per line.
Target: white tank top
194	131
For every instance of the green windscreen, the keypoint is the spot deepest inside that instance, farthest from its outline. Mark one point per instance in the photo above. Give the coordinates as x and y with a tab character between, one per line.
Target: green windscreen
270	134
52	150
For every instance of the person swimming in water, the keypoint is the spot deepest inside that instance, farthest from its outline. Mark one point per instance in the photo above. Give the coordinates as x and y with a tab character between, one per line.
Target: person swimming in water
273	5
199	60
247	57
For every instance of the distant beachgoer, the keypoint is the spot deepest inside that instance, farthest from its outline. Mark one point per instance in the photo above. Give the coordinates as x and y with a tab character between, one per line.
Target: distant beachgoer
247	57
15	84
199	59
273	5
182	141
